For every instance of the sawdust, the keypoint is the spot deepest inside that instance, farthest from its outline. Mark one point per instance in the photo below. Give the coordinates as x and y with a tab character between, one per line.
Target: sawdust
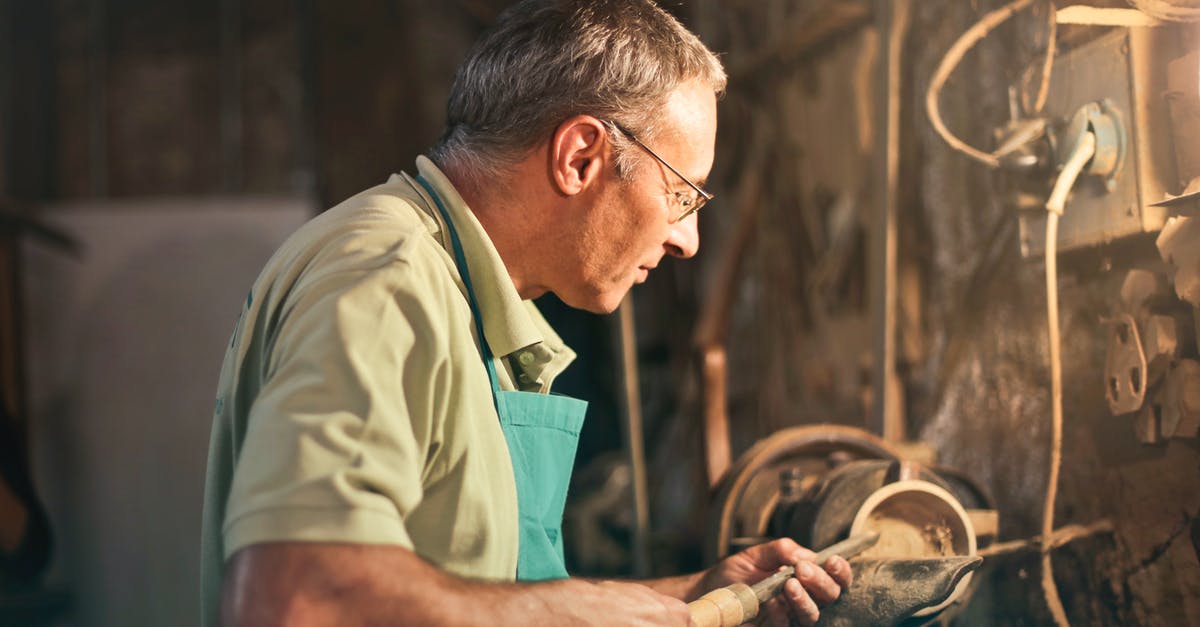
899	537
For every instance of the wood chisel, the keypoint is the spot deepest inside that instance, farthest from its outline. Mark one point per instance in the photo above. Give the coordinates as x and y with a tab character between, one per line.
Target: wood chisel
738	603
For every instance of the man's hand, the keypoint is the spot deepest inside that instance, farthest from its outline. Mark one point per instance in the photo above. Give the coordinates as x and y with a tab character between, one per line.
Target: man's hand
633	603
802	596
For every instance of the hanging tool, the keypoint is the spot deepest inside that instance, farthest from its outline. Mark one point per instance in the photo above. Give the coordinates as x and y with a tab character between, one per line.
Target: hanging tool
738	603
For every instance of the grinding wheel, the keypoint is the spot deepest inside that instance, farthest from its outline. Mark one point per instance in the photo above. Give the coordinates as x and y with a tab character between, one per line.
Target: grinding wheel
749	491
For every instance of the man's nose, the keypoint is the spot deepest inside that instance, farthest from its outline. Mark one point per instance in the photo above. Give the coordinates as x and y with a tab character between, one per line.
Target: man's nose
684	238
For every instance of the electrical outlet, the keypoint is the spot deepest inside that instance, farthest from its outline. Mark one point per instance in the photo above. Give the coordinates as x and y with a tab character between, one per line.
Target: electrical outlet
1125	70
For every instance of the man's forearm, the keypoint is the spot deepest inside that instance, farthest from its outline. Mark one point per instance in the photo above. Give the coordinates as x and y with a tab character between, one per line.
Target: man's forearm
299	584
315	584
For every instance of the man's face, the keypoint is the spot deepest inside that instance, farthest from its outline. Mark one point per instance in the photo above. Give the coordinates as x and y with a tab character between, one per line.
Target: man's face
632	224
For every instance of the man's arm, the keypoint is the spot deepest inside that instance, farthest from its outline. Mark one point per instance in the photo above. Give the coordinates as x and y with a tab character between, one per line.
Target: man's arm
308	584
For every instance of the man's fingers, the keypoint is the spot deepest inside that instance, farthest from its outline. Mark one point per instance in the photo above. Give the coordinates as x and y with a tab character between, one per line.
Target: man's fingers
819	584
775	613
798	554
840	570
804	608
778	552
812	588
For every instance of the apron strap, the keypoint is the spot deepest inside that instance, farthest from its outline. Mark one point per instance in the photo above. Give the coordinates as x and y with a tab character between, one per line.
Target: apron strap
460	260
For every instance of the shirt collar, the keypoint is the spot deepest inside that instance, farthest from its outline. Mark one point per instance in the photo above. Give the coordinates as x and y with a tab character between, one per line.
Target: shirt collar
509	323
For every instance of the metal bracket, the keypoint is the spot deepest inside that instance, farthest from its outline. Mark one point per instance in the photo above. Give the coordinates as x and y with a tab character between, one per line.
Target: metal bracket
1125	369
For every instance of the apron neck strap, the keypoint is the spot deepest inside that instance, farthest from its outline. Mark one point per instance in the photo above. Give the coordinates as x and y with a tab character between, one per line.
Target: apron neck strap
460	260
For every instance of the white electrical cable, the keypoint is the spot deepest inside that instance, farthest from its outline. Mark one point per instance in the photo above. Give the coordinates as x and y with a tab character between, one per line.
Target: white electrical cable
1054	207
955	55
1080	156
1047	62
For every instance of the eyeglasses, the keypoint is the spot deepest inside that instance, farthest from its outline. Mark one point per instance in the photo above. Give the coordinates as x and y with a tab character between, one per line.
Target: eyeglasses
687	202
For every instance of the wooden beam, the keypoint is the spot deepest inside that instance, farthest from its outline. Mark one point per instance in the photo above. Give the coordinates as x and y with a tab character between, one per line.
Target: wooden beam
887	417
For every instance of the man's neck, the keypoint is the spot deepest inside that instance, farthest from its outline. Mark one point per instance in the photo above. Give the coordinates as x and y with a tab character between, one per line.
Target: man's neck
512	222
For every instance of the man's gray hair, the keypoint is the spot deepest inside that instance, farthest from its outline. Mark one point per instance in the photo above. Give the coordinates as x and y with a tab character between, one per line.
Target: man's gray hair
544	61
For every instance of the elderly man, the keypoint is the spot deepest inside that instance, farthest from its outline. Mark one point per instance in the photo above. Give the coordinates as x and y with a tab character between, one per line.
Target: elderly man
385	450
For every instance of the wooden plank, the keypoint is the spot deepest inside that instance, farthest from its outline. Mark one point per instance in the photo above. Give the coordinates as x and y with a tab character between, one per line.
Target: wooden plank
887	417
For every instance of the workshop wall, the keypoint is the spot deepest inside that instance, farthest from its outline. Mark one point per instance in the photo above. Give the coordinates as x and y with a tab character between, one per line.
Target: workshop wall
186	97
987	397
972	346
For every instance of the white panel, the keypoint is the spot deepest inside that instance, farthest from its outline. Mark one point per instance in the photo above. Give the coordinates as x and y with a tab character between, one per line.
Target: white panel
125	346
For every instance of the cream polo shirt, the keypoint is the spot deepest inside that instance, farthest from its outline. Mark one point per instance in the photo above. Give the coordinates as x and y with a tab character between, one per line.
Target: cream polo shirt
353	405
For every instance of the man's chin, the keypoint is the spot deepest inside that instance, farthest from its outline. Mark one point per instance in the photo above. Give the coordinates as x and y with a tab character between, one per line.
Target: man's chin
605	305
597	303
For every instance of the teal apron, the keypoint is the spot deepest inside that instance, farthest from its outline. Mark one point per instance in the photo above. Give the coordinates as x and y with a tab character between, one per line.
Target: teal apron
542	432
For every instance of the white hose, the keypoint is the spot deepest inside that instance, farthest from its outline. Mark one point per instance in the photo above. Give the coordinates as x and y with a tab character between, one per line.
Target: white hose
1070	172
1054	206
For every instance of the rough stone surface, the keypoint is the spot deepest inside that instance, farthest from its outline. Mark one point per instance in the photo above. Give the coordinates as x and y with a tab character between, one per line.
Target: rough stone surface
980	391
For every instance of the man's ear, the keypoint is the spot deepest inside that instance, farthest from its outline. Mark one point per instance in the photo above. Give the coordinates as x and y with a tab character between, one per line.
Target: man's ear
578	153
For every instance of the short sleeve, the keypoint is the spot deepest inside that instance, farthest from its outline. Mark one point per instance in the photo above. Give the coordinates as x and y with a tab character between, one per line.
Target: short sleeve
338	435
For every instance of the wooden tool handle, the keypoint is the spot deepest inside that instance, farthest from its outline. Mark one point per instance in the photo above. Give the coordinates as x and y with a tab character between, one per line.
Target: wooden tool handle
725	607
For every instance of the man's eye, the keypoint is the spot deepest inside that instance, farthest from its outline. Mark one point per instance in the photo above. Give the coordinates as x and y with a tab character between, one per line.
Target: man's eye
684	199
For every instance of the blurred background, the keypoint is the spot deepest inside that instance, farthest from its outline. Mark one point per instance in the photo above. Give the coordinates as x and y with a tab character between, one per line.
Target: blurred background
863	291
